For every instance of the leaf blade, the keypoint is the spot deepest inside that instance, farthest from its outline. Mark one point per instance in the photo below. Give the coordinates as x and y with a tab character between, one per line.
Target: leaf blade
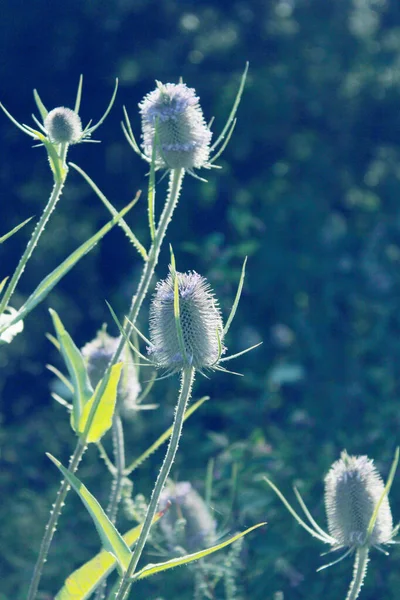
112	540
102	420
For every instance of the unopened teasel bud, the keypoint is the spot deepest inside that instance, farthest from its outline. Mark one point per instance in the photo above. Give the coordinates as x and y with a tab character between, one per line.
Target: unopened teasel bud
353	488
200	319
183	137
63	125
199	530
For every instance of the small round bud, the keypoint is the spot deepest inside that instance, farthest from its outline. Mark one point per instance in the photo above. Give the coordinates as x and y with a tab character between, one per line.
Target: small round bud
98	354
188	522
200	319
353	487
63	125
183	138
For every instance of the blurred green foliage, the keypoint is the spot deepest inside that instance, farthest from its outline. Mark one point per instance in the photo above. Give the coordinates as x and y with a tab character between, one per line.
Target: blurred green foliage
309	191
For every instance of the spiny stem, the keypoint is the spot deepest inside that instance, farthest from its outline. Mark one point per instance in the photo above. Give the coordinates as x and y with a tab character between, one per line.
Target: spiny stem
54	197
184	396
359	572
117	432
52	523
175	184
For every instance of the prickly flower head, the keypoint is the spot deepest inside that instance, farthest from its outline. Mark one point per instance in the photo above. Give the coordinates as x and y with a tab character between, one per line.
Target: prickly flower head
63	125
172	112
353	487
200	320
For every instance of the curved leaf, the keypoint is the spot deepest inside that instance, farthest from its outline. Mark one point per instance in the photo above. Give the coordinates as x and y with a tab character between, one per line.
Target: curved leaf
112	540
184	560
85	580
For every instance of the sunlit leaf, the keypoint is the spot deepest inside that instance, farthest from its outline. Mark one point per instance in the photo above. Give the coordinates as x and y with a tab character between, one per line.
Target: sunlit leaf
102	419
85	580
112	540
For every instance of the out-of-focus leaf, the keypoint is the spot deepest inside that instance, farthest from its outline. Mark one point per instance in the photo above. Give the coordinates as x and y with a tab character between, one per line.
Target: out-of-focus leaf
102	419
112	540
77	371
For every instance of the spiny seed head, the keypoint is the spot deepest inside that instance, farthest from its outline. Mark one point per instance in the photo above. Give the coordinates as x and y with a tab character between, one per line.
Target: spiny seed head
200	319
98	354
183	138
188	522
63	125
353	487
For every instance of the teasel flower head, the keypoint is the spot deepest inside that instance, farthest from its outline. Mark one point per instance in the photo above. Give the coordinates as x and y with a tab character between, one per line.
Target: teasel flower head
188	523
175	134
353	488
186	328
358	513
59	128
98	354
63	125
201	343
172	119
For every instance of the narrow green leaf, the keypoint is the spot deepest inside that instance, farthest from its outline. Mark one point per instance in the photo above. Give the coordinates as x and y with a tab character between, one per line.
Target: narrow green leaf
128	231
102	420
163	438
3	283
85	580
54	277
76	368
237	298
41	107
112	540
184	560
17	228
177	312
78	95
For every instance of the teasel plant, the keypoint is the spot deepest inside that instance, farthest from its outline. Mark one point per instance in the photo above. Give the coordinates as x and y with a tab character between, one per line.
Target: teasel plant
358	513
186	336
87	402
60	128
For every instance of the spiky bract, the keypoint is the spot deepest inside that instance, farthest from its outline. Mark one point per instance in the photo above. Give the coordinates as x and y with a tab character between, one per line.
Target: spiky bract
353	487
183	138
63	125
200	320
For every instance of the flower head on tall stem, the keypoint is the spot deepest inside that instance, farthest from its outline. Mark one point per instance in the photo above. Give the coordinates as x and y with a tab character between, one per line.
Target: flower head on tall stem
60	127
175	134
358	512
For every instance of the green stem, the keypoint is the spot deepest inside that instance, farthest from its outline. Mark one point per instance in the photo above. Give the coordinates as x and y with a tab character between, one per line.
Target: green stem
175	184
184	396
359	572
116	486
52	523
54	197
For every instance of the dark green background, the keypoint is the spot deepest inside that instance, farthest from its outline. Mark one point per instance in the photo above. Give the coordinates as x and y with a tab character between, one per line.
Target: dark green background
309	190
